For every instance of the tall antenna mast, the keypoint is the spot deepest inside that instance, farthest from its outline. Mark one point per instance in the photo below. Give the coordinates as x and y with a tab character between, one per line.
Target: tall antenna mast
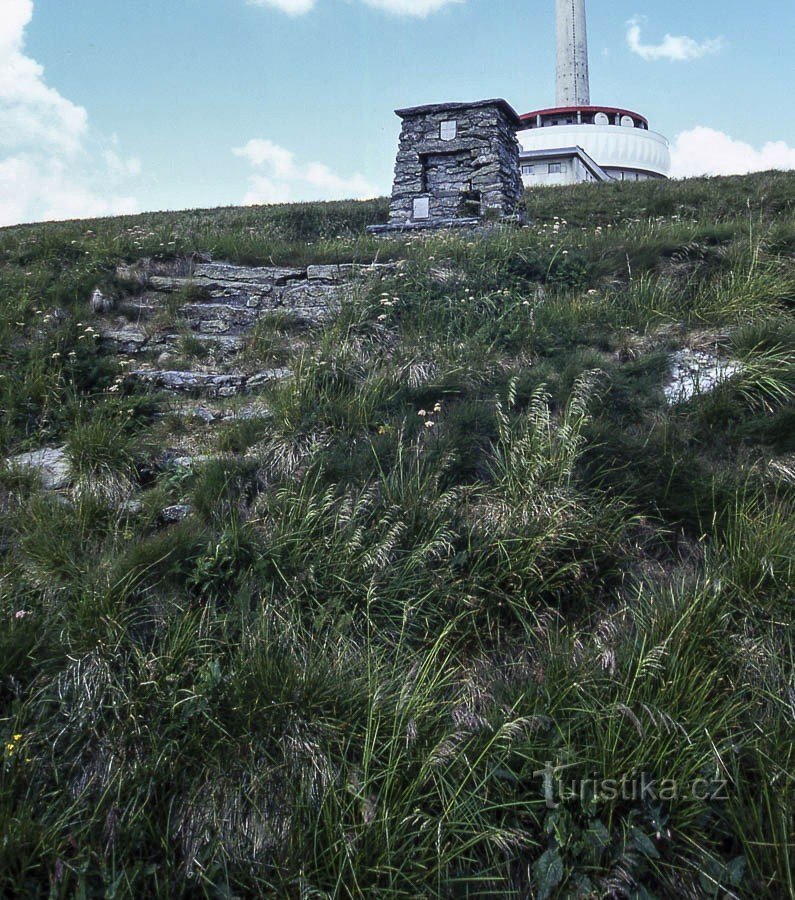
573	86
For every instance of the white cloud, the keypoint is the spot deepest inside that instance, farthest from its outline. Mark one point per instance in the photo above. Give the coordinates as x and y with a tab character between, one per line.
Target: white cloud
705	151
261	152
31	111
265	190
51	166
291	7
283	179
673	48
35	190
418	8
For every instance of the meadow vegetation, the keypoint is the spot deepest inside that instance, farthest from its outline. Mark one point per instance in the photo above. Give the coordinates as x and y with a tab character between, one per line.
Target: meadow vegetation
467	610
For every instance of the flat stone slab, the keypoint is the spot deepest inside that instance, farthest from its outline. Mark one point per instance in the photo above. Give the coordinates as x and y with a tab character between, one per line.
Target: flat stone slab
425	225
221	274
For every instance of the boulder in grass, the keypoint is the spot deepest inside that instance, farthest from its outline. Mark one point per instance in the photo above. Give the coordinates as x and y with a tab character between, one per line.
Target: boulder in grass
51	464
171	515
101	303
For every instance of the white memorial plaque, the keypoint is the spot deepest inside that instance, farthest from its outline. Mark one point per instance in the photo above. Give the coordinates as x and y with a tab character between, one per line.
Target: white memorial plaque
422	208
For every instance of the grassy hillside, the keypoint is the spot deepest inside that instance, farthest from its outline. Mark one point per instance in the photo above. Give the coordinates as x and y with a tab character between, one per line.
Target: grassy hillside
465	608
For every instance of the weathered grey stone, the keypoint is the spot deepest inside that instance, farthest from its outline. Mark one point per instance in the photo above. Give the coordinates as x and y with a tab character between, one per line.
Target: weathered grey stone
51	464
329	274
174	514
100	303
695	372
127	339
226	305
218	317
188	462
344	272
268	377
201	412
188	382
313	300
229	300
167	283
224	275
252	411
208	383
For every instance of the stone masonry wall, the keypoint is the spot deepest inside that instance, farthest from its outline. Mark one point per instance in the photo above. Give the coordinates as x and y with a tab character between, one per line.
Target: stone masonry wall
474	174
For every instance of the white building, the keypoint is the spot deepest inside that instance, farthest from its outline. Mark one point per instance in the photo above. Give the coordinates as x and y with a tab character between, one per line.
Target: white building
576	141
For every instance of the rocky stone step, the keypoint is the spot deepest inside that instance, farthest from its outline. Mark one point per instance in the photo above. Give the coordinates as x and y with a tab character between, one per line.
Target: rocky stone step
220	302
208	384
133	340
218	318
213	411
260	286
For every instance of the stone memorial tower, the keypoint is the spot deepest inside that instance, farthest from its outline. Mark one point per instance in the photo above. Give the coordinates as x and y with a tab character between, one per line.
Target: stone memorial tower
457	164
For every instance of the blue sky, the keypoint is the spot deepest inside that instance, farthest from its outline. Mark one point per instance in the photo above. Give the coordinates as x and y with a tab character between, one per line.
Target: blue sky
124	105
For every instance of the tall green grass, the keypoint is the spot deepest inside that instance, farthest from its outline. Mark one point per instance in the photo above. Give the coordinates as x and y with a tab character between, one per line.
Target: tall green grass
465	610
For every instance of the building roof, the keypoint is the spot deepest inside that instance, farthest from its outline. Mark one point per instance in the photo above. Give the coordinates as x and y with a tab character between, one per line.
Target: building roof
456	107
567	110
557	152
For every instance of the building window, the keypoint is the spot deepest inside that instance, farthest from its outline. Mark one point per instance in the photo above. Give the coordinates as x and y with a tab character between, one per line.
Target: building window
555	168
448	130
528	170
422	208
